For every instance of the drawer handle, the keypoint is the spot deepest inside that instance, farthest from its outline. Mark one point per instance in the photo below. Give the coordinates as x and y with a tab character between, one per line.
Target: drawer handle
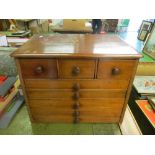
76	87
76	96
76	105
76	120
76	71
76	113
115	71
39	69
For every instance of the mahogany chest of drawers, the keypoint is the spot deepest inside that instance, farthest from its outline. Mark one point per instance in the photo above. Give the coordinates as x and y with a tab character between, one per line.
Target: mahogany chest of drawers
73	78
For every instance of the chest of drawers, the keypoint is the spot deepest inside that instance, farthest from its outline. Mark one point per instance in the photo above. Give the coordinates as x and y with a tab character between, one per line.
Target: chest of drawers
76	78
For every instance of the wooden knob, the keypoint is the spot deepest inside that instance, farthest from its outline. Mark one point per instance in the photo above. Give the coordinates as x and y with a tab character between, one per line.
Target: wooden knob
115	71
76	105
75	71
39	69
76	113
76	120
76	87
76	96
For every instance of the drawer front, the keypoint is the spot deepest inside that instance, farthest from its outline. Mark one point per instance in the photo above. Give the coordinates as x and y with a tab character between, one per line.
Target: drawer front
39	68
72	84
76	68
115	69
70	119
49	94
78	112
52	119
100	119
81	103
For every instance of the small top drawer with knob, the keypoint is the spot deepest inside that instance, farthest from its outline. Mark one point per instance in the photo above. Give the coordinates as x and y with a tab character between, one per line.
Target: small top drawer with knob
39	68
76	68
115	69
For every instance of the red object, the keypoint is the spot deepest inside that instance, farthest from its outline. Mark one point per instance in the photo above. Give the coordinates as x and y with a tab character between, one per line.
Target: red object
2	99
2	79
103	32
147	110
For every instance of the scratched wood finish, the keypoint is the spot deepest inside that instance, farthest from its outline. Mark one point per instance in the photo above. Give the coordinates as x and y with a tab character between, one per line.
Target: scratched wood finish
76	45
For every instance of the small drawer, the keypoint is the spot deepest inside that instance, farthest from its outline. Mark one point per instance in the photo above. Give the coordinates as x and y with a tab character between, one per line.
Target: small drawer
39	68
76	68
115	69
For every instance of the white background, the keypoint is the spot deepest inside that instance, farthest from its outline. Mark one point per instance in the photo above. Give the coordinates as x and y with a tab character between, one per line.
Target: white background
77	145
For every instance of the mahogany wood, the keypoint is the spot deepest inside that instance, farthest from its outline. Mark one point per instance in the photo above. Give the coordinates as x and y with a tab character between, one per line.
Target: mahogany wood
76	78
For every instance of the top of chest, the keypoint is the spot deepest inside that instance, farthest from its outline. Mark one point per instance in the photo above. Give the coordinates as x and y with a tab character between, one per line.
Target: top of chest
76	45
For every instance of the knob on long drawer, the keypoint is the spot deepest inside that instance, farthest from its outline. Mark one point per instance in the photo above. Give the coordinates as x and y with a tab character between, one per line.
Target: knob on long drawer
39	69
76	113
115	71
76	70
76	87
76	96
76	105
76	120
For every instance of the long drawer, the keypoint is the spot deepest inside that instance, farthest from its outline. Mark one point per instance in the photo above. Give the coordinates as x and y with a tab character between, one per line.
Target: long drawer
69	103
48	94
70	119
90	110
70	84
80	112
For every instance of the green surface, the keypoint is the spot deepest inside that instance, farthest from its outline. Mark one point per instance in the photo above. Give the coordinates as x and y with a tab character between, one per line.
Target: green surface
7	49
124	23
7	63
146	58
21	125
131	39
9	34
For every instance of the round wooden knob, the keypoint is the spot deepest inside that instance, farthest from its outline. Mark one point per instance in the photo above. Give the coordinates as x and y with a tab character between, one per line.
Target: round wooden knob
76	120
76	96
76	113
115	71
76	87
76	71
76	105
39	69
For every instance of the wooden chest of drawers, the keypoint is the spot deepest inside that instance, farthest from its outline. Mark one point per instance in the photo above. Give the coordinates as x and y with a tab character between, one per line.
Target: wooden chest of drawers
76	78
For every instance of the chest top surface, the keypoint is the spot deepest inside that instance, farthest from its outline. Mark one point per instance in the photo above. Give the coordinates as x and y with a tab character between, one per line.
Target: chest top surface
76	45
